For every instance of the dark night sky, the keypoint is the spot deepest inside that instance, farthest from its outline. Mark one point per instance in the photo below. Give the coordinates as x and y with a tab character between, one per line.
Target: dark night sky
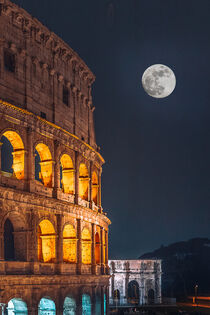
156	180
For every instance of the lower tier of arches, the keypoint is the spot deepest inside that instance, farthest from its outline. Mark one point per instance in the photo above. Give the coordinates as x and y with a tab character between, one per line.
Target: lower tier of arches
48	298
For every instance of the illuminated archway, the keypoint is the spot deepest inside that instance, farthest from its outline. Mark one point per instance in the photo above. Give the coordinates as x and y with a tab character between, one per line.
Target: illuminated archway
86	304
133	292
17	306
86	246
67	174
46	241
45	164
46	307
97	248
95	187
83	181
69	306
16	158
69	244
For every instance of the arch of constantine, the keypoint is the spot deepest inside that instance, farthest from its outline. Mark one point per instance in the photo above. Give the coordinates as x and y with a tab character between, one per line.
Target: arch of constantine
135	282
53	230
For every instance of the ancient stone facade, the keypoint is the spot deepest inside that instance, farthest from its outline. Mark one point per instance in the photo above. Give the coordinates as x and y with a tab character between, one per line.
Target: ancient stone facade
53	230
135	282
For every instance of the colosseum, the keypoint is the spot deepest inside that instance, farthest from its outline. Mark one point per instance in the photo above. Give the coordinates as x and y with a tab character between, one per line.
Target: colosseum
53	230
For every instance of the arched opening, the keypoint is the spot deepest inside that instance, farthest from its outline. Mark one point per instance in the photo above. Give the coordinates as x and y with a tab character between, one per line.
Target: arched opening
69	244
86	304
151	296
43	164
67	174
9	246
116	297
97	248
133	292
69	306
86	246
15	245
12	155
46	241
95	187
83	182
46	307
17	306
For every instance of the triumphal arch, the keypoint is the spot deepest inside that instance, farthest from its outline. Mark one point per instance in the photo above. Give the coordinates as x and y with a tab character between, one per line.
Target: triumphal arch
53	230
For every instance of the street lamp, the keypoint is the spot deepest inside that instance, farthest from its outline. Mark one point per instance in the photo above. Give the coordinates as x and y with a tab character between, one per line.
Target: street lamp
196	294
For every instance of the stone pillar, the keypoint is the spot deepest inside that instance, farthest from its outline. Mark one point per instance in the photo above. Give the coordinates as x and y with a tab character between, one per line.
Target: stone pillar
1	244
93	301
102	300
79	303
106	252
90	185
53	173
99	191
93	258
107	300
0	154
56	169
2	45
59	243
30	162
79	247
74	95
76	189
33	310
102	250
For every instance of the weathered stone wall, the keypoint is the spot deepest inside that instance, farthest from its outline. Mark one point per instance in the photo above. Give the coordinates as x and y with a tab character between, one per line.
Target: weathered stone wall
145	273
32	289
43	68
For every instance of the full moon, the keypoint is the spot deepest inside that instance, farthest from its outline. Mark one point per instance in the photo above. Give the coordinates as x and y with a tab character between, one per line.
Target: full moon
158	81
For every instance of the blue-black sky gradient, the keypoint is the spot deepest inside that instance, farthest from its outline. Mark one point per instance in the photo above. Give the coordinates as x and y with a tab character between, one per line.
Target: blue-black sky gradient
156	180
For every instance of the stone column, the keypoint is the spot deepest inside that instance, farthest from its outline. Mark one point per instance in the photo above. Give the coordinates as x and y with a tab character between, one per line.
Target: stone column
2	43
59	243
33	310
1	244
79	303
102	251
79	247
102	300
76	177
30	162
0	154
74	95
56	169
99	191
107	300
90	186
93	301
93	258
106	252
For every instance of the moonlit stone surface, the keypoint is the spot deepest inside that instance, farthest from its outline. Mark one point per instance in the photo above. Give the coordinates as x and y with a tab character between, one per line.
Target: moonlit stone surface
158	81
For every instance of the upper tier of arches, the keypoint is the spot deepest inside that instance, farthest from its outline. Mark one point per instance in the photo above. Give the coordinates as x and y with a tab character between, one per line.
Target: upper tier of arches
67	175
